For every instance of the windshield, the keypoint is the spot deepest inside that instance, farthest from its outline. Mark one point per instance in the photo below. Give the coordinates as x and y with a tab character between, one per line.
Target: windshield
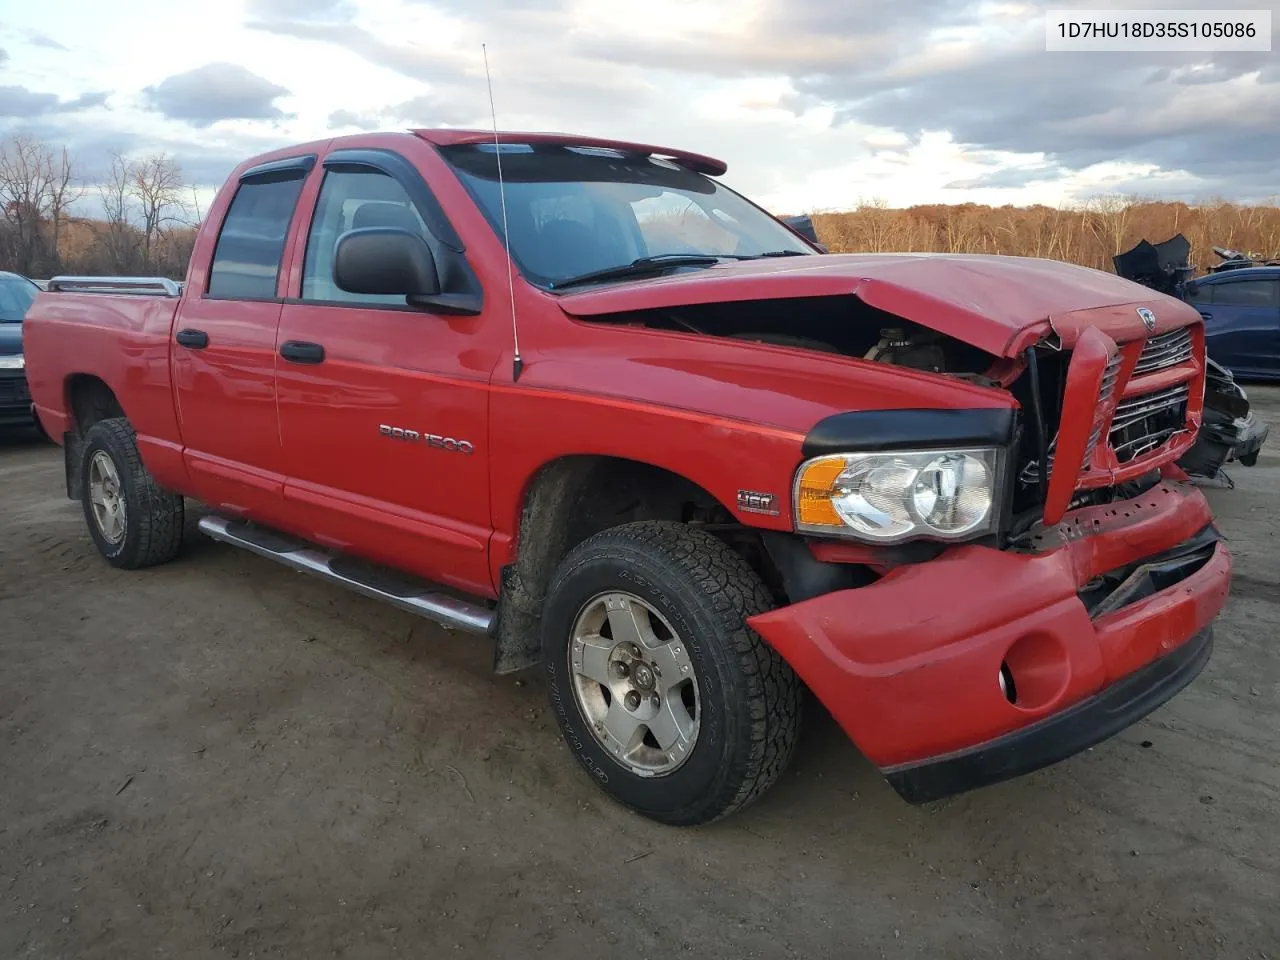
16	296
576	210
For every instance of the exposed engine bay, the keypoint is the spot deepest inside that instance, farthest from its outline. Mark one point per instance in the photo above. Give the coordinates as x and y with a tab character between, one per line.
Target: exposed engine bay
847	326
842	325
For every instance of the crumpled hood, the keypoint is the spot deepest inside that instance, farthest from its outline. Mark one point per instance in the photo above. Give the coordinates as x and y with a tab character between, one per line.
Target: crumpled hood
10	338
998	304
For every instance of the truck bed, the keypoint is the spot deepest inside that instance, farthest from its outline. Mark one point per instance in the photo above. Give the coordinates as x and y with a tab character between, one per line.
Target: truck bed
116	330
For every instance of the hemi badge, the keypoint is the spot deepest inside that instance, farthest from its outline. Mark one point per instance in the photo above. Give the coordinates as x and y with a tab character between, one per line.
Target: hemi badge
752	501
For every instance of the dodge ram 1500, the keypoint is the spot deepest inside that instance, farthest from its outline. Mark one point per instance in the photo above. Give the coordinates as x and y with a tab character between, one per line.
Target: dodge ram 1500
578	395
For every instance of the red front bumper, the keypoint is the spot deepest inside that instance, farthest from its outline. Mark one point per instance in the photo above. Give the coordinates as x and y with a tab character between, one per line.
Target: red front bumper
910	666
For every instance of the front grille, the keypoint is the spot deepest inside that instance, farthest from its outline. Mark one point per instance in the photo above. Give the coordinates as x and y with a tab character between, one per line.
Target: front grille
1109	376
14	390
1143	423
1137	414
1166	350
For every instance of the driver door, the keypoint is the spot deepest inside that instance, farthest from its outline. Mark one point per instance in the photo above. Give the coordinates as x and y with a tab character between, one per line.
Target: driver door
383	406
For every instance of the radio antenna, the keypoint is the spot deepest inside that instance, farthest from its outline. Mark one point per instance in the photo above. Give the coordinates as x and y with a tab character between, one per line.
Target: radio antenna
516	363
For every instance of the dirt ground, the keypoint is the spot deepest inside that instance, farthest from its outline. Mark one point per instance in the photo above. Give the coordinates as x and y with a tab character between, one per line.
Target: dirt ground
222	758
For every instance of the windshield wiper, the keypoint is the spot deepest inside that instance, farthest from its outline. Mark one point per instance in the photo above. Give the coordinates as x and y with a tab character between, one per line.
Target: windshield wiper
778	253
639	267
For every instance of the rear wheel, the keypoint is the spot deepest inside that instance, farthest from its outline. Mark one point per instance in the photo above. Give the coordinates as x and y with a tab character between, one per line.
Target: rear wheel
133	522
667	698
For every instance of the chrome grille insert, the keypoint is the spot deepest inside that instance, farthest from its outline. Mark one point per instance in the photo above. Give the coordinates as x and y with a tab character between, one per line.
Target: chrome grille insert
1108	388
1140	424
1166	350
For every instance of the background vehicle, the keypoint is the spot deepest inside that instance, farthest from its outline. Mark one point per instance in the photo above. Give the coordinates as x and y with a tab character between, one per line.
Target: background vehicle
594	404
16	296
1241	310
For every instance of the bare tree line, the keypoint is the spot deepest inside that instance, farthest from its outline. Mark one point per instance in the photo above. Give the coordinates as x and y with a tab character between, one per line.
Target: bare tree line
1089	234
135	218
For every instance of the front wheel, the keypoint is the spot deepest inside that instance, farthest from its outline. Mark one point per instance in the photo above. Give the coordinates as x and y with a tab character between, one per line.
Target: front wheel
133	522
667	698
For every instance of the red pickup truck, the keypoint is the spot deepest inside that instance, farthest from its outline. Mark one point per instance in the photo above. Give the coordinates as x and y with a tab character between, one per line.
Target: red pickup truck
577	395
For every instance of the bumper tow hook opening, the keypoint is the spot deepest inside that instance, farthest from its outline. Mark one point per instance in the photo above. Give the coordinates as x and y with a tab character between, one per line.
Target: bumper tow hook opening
1007	686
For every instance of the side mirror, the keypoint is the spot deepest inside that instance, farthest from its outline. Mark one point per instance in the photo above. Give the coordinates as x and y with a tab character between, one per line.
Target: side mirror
385	260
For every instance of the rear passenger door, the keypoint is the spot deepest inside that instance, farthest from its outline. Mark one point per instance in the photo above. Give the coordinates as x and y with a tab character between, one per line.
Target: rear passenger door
383	406
223	350
1242	323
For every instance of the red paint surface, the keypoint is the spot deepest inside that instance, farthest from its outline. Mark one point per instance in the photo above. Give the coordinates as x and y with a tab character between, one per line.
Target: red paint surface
999	304
907	665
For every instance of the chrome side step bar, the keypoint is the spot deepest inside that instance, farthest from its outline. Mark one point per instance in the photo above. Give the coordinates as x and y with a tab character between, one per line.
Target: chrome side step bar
416	597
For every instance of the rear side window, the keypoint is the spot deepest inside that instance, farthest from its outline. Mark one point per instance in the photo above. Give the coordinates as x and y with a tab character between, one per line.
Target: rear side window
246	261
349	200
1246	293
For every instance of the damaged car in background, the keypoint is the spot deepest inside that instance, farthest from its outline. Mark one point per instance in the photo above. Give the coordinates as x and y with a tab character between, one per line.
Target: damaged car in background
1248	343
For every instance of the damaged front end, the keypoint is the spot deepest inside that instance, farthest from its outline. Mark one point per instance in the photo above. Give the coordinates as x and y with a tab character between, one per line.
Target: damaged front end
1229	431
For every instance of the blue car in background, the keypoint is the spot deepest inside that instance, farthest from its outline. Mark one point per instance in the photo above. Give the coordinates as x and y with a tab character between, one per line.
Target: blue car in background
16	295
1241	310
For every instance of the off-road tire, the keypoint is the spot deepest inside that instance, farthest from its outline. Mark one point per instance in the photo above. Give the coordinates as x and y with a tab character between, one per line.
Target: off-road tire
153	517
750	699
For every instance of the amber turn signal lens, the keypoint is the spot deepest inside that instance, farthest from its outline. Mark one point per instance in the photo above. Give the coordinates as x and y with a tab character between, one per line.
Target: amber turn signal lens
814	491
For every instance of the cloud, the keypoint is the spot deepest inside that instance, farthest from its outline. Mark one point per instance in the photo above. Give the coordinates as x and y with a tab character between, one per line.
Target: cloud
812	102
313	10
87	101
420	63
978	70
217	91
38	39
19	103
339	119
428	110
1009	178
4	56
533	77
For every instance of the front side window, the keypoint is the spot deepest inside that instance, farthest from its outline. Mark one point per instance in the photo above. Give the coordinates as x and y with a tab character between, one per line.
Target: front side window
246	261
574	210
1246	293
350	200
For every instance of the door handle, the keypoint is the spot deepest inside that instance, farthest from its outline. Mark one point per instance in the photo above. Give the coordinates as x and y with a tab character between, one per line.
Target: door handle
193	339
300	351
1206	316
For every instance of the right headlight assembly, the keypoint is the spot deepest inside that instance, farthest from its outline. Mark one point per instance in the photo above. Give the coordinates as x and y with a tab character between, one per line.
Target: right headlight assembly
891	496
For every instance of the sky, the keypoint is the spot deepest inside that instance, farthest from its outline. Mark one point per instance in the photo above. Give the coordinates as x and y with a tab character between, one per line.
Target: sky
814	104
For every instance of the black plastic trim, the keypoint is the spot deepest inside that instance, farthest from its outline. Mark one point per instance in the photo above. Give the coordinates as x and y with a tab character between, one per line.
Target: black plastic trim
192	339
289	168
803	575
1057	737
1120	587
302	351
859	430
211	296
